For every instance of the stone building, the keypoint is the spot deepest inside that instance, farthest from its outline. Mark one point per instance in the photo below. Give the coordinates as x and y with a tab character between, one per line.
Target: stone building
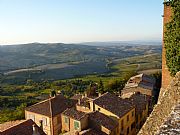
118	109
47	114
73	119
140	83
141	112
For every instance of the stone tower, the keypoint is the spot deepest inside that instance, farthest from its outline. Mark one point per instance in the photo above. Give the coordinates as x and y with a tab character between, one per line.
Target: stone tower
166	77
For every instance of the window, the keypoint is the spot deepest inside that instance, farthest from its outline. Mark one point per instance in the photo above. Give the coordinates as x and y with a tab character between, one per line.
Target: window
122	125
76	125
127	130
44	120
32	117
141	115
133	114
55	120
59	131
58	119
137	118
66	120
127	117
132	126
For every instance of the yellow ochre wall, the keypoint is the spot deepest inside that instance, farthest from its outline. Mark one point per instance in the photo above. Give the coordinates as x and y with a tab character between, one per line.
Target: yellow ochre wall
39	117
141	119
47	128
83	123
126	124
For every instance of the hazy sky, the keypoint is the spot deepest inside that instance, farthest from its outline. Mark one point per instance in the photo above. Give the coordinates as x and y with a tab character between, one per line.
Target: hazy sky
23	21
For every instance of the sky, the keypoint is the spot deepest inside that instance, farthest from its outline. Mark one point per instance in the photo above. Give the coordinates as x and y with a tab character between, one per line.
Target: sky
73	21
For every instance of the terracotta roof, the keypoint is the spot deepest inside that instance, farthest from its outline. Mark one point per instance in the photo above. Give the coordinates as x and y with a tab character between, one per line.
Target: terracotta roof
146	85
23	128
103	120
142	90
91	132
145	81
51	106
144	77
9	124
73	113
139	100
114	104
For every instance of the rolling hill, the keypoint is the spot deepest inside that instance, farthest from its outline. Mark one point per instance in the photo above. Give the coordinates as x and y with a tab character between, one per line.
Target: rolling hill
62	61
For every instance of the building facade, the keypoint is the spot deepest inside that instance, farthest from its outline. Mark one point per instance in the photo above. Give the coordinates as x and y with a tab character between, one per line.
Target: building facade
117	109
47	114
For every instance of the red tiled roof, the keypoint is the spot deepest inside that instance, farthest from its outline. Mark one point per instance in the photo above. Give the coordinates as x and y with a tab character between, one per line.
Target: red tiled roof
24	128
139	100
9	124
103	120
114	104
73	113
52	106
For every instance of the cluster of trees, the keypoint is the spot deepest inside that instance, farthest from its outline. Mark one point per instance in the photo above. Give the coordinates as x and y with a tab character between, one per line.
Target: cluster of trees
14	98
7	114
113	86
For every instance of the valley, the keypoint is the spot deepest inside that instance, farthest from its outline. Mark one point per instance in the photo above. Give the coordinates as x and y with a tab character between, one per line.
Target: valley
28	73
64	61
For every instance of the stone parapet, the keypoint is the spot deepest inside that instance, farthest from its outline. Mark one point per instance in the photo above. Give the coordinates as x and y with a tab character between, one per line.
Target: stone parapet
168	99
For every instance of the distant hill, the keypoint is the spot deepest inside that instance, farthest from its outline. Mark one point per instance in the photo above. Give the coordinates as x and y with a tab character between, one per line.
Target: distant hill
62	61
35	54
123	43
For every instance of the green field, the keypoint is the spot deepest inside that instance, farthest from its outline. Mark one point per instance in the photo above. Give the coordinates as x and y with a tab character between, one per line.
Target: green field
126	67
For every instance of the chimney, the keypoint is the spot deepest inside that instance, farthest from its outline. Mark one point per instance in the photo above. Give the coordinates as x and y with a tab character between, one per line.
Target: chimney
79	101
41	124
35	130
53	93
59	92
85	94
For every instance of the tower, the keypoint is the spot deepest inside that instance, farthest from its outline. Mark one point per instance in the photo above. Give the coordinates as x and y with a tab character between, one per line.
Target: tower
166	77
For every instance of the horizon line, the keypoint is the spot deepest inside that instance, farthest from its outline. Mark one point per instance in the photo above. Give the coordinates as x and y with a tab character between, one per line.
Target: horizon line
110	41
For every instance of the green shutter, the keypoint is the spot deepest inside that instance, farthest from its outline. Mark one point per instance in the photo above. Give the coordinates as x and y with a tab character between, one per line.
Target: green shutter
66	120
76	125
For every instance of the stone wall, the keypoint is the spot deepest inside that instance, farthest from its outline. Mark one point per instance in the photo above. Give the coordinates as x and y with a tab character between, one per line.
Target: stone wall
168	99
